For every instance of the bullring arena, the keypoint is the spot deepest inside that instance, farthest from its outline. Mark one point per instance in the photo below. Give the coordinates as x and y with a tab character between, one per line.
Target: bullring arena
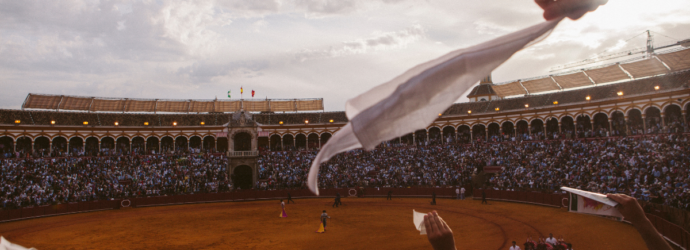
359	223
82	172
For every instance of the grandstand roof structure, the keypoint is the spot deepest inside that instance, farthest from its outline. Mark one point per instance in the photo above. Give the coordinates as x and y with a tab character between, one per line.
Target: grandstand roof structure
647	67
101	104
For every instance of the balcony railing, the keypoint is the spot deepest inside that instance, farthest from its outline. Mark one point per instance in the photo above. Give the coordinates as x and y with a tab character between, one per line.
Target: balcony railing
243	153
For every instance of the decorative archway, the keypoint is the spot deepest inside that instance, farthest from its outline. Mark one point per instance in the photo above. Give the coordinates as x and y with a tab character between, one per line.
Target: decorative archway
464	134
181	143
288	142
618	123
435	135
139	145
568	126
242	141
195	142
407	139
300	141
653	119
76	145
222	144
167	144
448	134
6	147
583	125
242	177
537	128
673	117
635	122
508	129
275	143
209	144
479	132
42	145
152	144
59	146
91	146
122	145
552	128
522	128
494	132
324	138
601	124
23	145
313	141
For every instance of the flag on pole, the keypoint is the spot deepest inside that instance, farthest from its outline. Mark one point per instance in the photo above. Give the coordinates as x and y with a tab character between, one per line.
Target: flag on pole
228	93
252	93
241	90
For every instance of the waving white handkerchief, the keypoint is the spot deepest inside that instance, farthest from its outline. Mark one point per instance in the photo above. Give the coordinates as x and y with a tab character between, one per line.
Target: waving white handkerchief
6	245
412	100
418	220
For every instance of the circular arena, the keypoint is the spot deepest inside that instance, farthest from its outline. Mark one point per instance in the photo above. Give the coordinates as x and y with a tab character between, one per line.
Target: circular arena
358	223
589	158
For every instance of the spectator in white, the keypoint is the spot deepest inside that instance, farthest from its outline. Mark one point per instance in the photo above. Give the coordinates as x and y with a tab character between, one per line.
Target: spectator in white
457	193
551	240
514	247
462	193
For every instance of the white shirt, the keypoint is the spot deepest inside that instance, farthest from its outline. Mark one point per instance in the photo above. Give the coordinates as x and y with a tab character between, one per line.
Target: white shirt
457	191
462	190
551	241
516	247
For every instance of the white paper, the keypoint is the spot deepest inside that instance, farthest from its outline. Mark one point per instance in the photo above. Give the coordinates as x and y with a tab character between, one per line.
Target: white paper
418	220
414	99
6	245
591	195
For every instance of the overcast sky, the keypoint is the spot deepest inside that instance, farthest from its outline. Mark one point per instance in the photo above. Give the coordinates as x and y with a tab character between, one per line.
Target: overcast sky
331	49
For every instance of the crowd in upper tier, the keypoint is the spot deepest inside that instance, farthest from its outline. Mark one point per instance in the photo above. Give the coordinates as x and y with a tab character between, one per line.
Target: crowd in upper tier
653	168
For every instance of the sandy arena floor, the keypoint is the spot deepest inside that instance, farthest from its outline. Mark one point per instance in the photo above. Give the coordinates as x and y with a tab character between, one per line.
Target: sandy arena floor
371	223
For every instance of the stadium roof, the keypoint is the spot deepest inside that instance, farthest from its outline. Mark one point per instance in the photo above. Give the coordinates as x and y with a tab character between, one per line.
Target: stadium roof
657	65
101	104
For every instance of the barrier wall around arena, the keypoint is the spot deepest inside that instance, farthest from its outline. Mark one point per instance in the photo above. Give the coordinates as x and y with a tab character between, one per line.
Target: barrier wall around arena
674	233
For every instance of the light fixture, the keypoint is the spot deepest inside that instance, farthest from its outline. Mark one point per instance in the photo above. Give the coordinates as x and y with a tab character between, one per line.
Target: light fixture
281	122
469	111
620	93
497	109
526	105
439	114
86	123
588	98
331	120
52	122
555	102
656	87
117	123
174	123
306	121
146	123
17	121
203	123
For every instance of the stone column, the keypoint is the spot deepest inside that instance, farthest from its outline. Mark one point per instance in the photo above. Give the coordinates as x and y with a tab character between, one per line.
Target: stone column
627	130
319	141
281	143
644	124
610	126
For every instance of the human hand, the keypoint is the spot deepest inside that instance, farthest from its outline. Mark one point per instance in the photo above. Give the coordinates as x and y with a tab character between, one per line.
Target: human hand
629	208
439	234
573	9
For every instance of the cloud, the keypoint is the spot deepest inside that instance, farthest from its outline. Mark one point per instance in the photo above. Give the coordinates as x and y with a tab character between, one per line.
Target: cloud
378	42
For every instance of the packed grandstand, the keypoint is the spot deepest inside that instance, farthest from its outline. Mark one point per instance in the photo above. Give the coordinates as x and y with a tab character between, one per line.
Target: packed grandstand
627	136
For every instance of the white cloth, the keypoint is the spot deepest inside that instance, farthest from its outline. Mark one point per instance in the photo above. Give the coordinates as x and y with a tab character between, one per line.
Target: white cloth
6	245
418	220
516	247
414	99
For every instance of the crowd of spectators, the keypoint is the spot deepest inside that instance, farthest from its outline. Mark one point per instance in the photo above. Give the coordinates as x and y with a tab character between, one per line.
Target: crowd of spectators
652	168
42	181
